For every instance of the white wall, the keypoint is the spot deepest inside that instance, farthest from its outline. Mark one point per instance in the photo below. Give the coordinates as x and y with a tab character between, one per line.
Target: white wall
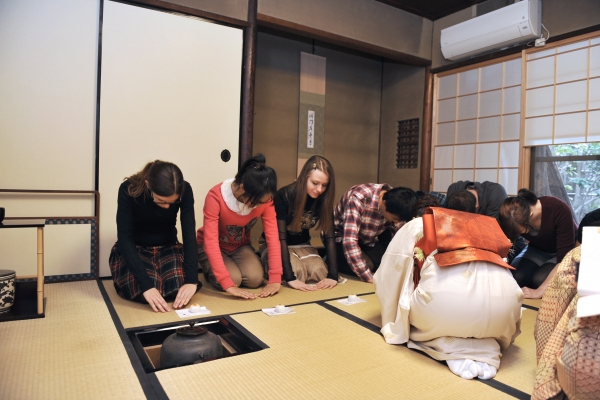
170	89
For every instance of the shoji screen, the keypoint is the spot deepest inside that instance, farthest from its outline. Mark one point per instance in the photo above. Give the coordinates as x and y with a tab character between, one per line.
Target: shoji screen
170	90
563	93
477	125
48	81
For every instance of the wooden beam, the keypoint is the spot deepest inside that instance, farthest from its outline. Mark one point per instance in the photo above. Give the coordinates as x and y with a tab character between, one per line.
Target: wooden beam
426	133
248	77
328	37
168	6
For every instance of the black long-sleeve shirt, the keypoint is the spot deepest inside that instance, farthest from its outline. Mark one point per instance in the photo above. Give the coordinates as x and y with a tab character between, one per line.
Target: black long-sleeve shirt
141	222
284	207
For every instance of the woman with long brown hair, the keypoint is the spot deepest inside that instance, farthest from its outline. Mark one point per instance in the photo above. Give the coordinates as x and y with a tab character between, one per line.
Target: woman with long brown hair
300	206
148	264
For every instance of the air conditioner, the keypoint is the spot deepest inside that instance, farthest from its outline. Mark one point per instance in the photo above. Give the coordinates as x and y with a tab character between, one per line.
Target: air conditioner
505	27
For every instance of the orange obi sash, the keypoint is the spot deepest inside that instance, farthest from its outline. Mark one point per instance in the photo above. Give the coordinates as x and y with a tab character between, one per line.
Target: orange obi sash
460	237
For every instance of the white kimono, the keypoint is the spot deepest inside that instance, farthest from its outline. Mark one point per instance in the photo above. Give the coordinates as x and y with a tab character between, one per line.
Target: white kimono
467	311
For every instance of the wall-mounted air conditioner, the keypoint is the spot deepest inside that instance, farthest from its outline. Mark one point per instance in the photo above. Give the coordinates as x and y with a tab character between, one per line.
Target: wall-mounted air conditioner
505	27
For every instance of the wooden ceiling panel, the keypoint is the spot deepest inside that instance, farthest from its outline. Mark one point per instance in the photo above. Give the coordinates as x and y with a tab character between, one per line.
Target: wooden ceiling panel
431	9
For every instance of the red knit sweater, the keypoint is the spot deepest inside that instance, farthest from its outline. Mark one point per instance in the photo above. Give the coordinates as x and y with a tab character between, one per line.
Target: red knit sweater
225	230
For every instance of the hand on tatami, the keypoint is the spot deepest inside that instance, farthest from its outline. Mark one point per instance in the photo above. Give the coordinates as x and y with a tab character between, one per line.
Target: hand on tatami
299	285
184	295
236	291
156	301
532	293
326	284
270	290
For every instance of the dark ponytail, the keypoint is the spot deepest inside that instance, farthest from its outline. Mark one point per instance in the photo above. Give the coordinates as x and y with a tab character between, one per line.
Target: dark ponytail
258	179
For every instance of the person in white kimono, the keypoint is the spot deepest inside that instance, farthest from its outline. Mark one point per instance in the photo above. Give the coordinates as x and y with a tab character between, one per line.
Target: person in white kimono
465	314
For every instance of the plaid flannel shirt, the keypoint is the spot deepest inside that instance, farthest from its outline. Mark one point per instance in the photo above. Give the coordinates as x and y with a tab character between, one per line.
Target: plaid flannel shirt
357	219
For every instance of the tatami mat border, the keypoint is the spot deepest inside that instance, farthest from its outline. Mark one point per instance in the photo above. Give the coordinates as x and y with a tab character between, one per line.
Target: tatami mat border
353	318
149	382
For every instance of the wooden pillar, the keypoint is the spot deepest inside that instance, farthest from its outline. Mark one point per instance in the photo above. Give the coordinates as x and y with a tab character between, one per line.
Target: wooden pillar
426	133
40	270
248	76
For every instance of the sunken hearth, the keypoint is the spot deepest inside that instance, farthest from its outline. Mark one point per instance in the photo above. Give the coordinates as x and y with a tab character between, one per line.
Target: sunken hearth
234	338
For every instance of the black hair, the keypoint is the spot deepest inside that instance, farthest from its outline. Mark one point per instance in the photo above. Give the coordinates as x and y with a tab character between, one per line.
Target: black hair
258	179
528	196
399	201
462	200
427	200
514	212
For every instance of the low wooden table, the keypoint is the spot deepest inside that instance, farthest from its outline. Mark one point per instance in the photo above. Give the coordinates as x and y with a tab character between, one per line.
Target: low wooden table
39	224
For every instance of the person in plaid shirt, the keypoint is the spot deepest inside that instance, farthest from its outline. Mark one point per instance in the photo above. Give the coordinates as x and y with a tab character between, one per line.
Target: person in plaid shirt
365	220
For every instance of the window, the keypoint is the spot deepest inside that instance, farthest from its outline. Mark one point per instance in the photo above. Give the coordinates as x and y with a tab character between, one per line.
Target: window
569	172
477	125
563	93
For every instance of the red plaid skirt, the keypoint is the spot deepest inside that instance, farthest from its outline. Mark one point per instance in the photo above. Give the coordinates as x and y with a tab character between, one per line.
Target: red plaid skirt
164	265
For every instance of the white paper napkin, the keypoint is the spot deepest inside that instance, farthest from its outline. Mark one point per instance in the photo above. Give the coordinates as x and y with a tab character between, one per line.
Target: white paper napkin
272	313
186	313
350	303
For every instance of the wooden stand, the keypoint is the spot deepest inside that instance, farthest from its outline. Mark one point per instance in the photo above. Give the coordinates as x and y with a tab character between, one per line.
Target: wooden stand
24	312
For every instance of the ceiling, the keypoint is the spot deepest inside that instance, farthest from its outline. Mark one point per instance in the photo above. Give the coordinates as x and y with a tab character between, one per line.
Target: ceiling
431	9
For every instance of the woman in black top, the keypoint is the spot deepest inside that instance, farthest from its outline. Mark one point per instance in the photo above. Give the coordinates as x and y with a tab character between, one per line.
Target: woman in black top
300	206
148	264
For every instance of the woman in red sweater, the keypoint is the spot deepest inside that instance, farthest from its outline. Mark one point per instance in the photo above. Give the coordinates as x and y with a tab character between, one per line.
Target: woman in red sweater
231	209
548	226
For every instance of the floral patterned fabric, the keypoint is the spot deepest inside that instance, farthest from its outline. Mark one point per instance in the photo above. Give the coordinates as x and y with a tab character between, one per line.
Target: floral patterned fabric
567	347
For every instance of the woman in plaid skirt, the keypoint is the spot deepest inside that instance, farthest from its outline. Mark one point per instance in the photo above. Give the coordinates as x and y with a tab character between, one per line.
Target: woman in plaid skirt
148	264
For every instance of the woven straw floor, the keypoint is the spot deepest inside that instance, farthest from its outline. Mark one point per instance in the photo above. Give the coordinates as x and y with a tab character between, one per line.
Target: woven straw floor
518	364
533	302
318	354
74	352
220	303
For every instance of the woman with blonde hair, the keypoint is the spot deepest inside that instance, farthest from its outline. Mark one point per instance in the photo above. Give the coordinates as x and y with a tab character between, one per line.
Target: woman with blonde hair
306	203
148	264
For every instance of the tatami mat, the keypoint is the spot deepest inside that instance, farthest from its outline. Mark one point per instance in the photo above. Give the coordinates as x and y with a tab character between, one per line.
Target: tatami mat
74	352
518	364
318	354
134	314
533	302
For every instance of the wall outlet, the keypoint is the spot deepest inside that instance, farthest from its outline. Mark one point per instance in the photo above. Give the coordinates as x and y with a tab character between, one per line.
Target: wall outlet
540	42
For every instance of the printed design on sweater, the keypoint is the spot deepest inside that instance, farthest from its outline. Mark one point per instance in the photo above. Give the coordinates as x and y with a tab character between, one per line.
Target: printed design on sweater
239	233
308	220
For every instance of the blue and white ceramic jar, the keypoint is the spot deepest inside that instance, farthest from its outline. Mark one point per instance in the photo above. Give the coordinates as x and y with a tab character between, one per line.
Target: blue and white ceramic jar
7	290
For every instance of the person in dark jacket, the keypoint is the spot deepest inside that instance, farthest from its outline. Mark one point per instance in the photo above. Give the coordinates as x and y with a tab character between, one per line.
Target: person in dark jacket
489	195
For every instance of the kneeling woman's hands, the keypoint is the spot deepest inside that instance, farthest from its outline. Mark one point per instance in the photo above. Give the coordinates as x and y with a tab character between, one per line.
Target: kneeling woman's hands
236	291
299	285
326	284
270	290
184	295
156	301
